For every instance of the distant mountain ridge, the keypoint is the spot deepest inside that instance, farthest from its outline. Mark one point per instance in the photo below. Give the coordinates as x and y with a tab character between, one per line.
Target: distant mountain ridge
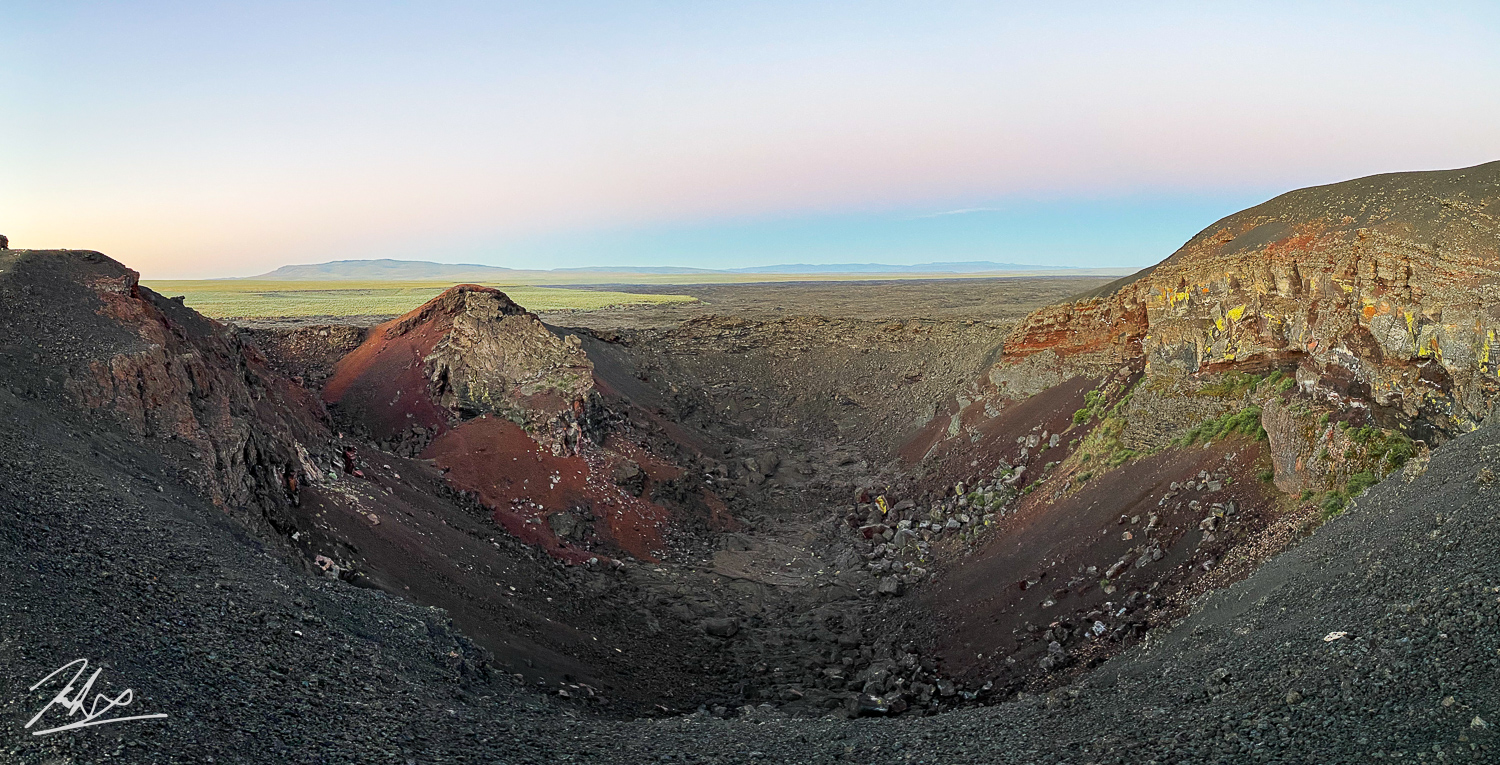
385	269
417	270
967	267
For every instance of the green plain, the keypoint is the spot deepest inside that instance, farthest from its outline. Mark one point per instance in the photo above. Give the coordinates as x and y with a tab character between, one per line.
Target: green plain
243	299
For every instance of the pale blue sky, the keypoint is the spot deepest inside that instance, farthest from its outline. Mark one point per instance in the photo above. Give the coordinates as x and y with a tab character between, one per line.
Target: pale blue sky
206	139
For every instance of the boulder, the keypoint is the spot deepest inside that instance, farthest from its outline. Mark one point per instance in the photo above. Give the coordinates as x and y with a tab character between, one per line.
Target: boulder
724	627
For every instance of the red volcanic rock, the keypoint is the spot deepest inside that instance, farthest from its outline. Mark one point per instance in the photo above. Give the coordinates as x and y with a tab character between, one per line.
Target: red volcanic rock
470	350
499	402
524	484
1107	332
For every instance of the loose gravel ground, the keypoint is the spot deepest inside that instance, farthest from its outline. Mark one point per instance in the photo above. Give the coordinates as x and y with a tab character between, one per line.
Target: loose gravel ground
255	659
1256	674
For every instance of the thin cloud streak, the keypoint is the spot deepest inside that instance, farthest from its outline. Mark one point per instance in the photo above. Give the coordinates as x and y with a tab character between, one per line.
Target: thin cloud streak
964	211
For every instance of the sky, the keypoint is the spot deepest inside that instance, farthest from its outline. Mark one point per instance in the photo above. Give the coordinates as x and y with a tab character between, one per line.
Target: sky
204	139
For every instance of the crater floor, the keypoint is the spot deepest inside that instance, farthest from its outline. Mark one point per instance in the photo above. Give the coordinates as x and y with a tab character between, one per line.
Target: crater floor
812	571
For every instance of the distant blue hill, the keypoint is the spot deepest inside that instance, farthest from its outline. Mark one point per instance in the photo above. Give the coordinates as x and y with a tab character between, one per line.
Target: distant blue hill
637	270
969	267
385	270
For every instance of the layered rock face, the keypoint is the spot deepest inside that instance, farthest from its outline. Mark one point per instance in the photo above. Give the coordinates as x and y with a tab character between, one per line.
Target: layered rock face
1382	292
1380	296
1383	289
82	328
469	351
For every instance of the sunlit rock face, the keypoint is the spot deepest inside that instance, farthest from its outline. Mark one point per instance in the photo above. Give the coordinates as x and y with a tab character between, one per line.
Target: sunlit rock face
1376	303
1381	292
498	357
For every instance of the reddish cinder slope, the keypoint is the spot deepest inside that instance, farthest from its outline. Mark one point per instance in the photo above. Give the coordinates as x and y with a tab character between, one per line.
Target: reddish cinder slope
383	382
467	351
507	409
523	484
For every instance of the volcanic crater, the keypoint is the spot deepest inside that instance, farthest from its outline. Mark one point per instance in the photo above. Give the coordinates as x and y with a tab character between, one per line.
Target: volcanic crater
762	511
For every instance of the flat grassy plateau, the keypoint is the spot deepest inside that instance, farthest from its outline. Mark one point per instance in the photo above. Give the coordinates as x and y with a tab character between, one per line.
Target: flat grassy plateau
235	299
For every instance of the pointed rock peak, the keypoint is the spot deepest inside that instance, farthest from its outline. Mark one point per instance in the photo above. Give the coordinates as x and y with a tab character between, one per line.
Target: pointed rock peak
467	352
473	299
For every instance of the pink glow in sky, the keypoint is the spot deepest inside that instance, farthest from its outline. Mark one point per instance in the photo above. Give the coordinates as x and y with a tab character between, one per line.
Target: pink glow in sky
198	139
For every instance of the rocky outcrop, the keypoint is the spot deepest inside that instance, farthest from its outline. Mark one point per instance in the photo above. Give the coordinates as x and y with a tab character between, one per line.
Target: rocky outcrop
1350	326
508	411
1165	434
1310	451
466	352
499	358
81	326
308	354
1377	297
1099	333
1380	292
